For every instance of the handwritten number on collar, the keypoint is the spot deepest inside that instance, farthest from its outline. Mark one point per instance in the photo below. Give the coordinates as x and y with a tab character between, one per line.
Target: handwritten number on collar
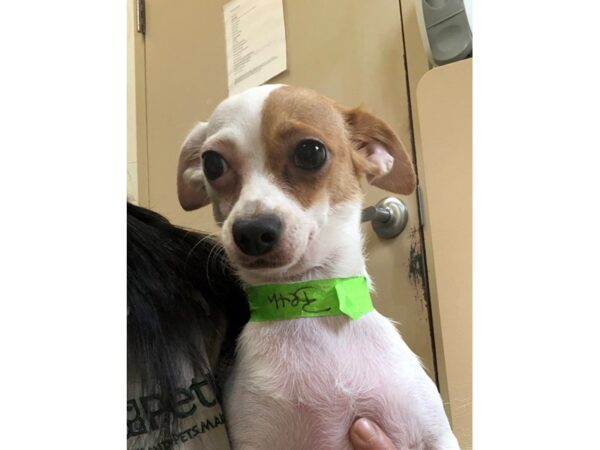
295	298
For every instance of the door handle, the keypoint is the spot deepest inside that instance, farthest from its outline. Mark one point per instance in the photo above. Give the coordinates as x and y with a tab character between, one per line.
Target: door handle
388	217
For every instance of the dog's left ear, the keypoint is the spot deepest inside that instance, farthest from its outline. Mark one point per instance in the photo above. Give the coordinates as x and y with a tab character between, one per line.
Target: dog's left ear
379	153
191	187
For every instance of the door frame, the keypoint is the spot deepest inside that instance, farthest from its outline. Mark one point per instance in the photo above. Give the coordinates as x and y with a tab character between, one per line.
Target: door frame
137	137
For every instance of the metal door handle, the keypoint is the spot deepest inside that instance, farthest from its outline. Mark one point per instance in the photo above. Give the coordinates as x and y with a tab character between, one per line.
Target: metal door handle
388	217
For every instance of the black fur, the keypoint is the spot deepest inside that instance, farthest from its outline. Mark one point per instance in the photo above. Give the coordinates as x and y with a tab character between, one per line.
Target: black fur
168	268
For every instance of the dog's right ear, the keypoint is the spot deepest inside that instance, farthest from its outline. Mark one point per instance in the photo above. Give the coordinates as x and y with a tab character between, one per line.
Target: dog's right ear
380	154
191	187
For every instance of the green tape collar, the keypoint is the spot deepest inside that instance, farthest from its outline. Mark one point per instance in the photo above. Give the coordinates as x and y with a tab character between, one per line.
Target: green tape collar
312	298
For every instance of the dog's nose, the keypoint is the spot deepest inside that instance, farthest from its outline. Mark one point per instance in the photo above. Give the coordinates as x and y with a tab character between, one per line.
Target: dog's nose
258	235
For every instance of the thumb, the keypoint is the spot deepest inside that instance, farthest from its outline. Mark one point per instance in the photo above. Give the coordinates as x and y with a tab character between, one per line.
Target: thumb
366	435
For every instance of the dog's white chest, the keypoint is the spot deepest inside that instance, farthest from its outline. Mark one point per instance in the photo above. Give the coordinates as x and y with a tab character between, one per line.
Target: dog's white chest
307	380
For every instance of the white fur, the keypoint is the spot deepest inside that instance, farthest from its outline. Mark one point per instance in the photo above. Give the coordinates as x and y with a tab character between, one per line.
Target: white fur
238	118
300	384
381	160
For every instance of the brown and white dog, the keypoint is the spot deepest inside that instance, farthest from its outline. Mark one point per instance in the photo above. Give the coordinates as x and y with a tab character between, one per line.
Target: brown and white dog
281	166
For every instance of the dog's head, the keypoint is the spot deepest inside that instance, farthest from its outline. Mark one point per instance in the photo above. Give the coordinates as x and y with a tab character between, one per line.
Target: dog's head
281	166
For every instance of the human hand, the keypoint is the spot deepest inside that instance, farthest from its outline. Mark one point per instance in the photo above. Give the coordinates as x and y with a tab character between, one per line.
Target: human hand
366	435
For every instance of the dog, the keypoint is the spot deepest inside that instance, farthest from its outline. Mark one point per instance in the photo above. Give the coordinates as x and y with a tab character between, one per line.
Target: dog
281	166
185	310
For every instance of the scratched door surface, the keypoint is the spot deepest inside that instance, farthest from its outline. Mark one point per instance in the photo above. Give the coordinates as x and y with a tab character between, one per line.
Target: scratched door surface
350	50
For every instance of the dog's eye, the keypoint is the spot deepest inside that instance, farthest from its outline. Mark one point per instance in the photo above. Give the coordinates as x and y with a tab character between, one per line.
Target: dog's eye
310	154
213	165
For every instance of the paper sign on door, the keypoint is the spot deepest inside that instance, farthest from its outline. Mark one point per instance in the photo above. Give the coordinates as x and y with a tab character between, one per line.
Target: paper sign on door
255	41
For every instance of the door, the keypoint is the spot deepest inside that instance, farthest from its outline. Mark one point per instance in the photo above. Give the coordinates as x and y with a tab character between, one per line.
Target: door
350	50
443	102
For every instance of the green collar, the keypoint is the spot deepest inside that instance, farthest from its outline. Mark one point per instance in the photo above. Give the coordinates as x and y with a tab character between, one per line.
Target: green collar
312	298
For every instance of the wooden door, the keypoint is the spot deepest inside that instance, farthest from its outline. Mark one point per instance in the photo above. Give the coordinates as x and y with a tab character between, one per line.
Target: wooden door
444	107
350	50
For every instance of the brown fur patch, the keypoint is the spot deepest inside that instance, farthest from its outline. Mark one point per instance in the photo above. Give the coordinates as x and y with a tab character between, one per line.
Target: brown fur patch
190	197
291	114
366	128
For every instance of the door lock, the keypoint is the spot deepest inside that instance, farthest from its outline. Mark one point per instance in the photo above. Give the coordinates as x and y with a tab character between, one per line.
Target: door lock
388	217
